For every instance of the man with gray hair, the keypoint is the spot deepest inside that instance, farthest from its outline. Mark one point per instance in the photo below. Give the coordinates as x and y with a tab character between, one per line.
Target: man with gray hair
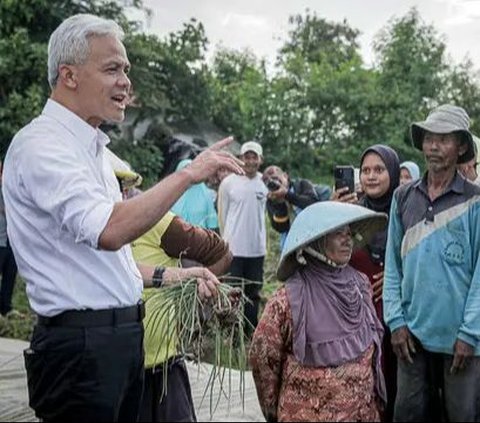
431	289
70	232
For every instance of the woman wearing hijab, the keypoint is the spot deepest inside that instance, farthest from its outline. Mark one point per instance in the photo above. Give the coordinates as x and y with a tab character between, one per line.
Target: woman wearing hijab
315	354
409	171
379	177
196	205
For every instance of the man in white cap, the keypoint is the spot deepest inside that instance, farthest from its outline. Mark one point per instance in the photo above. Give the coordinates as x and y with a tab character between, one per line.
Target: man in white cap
431	290
241	210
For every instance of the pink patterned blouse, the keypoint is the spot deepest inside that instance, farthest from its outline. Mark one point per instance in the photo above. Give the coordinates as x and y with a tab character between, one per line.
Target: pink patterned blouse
290	391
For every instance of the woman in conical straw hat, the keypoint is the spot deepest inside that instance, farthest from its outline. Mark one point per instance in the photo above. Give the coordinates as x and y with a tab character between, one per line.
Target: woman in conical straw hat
315	354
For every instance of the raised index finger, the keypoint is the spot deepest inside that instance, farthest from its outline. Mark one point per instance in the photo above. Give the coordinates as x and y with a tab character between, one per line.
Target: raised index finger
221	144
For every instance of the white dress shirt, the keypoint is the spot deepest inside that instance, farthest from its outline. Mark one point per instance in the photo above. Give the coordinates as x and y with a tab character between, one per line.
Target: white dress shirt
59	192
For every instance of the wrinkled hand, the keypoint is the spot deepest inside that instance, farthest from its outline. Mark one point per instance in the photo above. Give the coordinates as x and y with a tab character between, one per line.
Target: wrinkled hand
403	344
343	196
377	287
278	195
213	159
462	352
206	280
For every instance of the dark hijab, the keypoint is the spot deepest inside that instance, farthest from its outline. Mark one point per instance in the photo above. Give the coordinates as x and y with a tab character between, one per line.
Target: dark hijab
377	245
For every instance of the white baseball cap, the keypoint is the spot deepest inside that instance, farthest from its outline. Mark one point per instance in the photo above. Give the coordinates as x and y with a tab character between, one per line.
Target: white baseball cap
251	146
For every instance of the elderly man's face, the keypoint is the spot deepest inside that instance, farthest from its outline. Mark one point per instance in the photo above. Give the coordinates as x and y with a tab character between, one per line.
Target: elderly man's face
442	151
102	85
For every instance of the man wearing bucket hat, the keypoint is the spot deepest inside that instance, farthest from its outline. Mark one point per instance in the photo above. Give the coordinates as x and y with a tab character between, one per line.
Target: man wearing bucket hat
241	214
432	276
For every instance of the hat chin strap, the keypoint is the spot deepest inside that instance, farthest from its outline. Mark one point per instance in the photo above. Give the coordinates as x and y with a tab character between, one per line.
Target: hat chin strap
318	255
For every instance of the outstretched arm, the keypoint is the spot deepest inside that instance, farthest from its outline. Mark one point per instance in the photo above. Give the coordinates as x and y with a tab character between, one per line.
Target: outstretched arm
132	218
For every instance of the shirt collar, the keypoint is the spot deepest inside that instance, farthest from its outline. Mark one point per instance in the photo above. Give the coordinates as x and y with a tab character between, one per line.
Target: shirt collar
457	185
92	139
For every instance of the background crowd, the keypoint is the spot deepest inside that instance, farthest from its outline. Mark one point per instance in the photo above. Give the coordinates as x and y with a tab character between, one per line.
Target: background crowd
378	315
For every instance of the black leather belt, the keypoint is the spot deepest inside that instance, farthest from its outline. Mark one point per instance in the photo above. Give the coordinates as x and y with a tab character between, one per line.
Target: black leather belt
95	318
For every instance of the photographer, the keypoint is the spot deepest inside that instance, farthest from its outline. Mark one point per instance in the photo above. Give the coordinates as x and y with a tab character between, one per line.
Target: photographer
286	197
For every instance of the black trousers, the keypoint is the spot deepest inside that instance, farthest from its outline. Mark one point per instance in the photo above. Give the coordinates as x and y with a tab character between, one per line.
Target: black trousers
8	269
175	404
92	374
251	269
427	391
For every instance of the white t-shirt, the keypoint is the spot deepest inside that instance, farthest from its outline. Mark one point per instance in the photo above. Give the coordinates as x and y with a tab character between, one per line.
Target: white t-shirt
241	209
59	192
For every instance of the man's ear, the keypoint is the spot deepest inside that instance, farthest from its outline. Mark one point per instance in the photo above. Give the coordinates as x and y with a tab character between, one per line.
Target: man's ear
68	75
462	149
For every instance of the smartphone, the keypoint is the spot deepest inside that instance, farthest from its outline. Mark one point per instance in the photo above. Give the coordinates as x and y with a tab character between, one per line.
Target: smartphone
345	177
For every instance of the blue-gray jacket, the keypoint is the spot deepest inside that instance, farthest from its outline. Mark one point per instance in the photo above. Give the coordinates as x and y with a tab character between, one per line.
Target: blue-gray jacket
432	266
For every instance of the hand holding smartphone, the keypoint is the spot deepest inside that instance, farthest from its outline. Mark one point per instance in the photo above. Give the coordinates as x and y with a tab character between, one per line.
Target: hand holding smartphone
345	178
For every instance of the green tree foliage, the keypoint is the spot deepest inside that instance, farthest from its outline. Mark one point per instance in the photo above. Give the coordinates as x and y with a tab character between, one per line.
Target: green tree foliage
23	87
461	86
321	105
317	40
239	89
170	76
326	97
412	65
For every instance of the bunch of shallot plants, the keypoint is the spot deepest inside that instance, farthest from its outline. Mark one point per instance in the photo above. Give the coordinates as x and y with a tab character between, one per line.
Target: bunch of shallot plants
187	321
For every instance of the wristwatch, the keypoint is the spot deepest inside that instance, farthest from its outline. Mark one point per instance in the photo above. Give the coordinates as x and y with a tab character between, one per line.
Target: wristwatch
157	278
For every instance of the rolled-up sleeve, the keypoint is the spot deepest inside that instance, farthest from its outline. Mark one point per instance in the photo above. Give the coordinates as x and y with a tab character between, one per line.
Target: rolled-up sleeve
63	187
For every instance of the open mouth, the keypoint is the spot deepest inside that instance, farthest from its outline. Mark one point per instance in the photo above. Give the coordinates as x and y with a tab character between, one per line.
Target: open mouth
121	100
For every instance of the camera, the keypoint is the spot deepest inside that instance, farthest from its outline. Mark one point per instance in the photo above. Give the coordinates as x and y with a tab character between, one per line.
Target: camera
272	184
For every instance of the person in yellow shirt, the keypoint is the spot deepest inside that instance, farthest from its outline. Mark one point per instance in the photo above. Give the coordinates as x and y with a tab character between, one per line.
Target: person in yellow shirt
172	242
